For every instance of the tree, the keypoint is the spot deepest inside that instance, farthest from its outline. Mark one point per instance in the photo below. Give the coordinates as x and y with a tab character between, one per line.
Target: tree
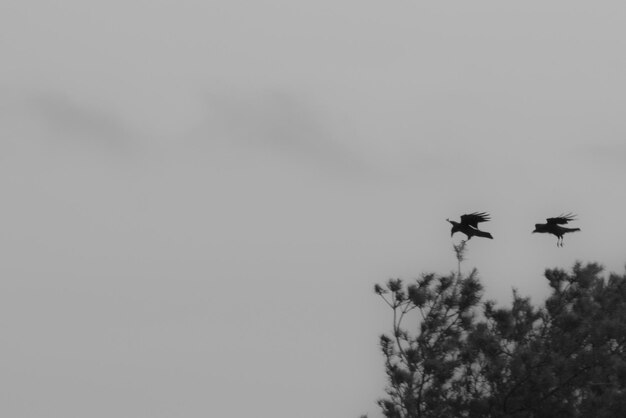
563	359
424	365
566	358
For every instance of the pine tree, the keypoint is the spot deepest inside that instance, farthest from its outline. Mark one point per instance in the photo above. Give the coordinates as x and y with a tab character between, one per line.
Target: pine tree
426	353
566	358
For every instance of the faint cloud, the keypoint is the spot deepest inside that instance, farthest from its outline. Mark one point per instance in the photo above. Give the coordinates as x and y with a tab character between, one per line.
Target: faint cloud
51	119
74	120
282	123
609	153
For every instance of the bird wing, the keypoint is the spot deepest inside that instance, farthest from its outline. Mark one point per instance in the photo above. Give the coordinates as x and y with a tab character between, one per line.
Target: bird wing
473	219
561	219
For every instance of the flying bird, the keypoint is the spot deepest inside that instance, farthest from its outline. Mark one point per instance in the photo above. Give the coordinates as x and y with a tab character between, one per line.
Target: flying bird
469	225
553	226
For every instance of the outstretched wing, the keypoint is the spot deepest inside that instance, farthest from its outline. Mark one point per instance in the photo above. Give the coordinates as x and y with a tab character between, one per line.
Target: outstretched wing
473	219
561	219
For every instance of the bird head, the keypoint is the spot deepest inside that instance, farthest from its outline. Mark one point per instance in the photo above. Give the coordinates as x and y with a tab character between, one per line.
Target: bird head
455	227
451	232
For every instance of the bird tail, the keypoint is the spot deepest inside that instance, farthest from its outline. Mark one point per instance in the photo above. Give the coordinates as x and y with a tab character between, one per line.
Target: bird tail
483	234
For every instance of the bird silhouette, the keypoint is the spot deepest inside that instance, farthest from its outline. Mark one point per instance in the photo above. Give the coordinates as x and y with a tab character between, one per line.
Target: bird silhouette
469	225
553	226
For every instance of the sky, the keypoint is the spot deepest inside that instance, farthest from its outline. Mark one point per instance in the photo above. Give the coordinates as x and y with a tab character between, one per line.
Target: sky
198	197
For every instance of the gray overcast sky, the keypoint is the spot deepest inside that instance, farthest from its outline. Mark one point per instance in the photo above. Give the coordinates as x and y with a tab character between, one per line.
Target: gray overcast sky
199	196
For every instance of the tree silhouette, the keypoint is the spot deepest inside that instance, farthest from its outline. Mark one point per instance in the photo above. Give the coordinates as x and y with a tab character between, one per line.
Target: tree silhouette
423	364
566	358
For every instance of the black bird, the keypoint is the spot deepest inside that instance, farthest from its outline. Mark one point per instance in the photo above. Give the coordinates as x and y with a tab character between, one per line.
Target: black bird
469	225
553	226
